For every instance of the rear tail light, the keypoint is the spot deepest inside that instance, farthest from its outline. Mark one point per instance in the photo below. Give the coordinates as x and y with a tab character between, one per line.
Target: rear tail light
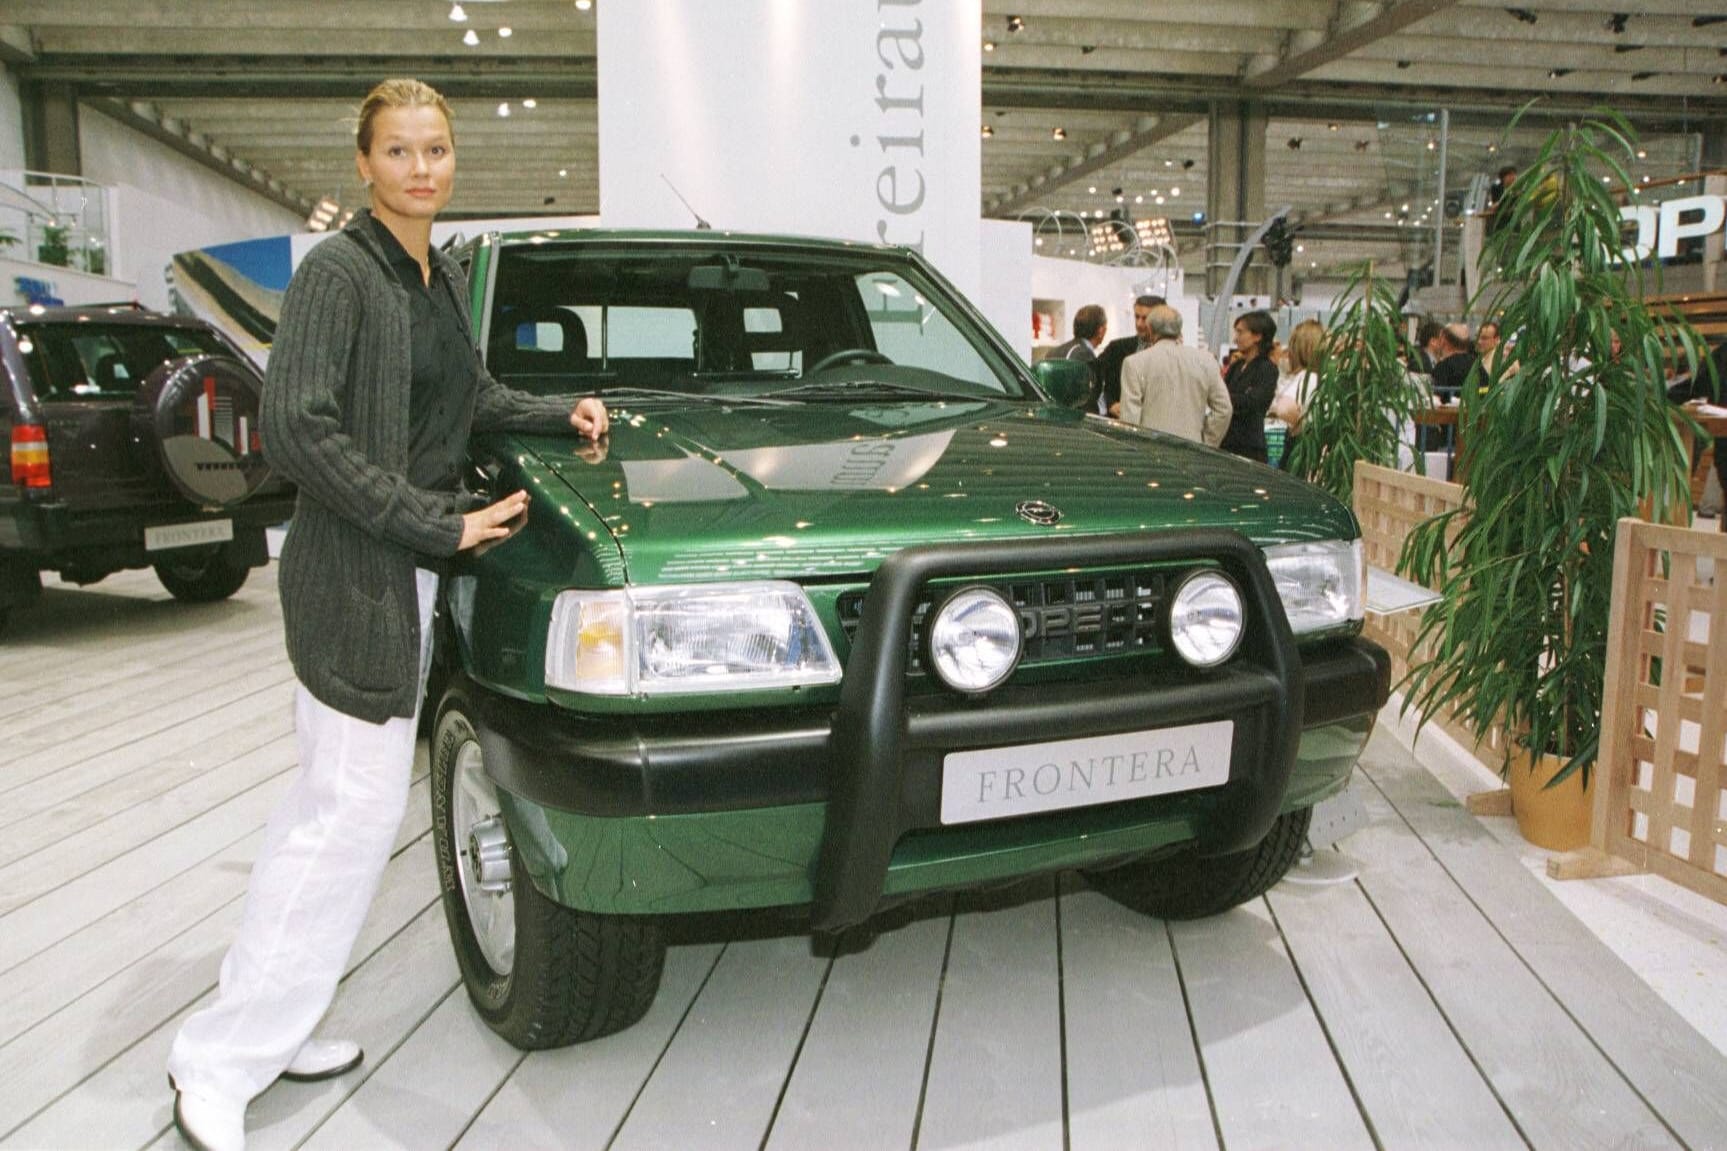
30	456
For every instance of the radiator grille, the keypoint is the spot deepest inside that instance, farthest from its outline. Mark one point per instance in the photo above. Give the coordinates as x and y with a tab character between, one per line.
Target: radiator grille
1066	617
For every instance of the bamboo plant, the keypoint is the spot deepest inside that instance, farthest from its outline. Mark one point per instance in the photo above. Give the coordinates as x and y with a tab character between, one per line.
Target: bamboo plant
1364	402
1571	432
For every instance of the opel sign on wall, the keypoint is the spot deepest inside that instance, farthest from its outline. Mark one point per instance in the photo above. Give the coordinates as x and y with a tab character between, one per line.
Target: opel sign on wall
1661	227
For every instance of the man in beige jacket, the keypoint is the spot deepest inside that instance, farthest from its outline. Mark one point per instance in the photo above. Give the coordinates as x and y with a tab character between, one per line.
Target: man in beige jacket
1175	389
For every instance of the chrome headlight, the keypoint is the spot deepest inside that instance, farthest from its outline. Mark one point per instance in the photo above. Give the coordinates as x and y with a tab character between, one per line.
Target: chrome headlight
697	638
1206	620
974	640
1322	585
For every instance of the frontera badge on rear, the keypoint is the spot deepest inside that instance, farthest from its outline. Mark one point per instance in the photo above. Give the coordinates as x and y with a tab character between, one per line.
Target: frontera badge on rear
1037	512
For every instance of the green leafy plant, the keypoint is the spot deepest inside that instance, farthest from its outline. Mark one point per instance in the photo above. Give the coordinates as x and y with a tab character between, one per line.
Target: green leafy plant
54	249
1572	432
7	239
1364	402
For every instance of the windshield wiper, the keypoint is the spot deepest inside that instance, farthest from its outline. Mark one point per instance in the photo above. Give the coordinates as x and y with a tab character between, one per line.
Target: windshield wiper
850	388
633	393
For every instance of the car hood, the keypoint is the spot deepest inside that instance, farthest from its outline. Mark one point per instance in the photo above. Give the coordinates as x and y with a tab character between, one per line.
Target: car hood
706	492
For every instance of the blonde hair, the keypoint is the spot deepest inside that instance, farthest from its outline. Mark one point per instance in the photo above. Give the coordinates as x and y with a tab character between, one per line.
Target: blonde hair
400	93
1304	344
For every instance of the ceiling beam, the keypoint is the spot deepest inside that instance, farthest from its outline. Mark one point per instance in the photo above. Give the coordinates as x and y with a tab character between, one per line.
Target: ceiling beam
1355	26
1095	159
252	179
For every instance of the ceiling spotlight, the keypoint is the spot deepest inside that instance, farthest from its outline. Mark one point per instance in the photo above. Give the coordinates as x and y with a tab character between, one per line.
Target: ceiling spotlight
989	45
1015	23
1301	247
1169	163
1333	126
1175	191
1120	199
1087	49
1522	14
1092	189
584	5
1186	165
1432	145
457	14
1616	22
1116	192
1721	78
506	32
1621	49
1404	63
1642	153
470	38
1363	145
1492	148
988	131
1707	21
530	102
1058	133
1294	144
563	173
1556	73
504	108
1641	75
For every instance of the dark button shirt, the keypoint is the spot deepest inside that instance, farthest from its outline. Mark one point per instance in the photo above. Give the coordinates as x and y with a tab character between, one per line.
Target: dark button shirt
1252	385
443	372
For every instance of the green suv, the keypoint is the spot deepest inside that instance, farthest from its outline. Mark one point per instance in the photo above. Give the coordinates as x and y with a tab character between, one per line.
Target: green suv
852	606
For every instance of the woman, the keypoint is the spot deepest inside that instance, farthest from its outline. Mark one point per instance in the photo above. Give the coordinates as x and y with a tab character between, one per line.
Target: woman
373	387
1252	382
1297	384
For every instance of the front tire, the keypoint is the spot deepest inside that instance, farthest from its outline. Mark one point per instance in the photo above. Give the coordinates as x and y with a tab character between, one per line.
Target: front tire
540	974
204	576
1194	887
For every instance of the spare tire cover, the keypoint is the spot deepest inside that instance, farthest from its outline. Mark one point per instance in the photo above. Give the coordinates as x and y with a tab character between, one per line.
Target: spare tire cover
200	414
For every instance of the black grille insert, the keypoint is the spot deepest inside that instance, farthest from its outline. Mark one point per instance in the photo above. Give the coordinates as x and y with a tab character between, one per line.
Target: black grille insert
1063	617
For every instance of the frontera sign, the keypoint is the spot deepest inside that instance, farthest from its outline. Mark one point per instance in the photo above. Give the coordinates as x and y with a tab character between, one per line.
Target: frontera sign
1659	228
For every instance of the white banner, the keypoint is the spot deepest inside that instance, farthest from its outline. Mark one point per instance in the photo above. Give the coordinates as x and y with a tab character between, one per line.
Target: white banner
857	119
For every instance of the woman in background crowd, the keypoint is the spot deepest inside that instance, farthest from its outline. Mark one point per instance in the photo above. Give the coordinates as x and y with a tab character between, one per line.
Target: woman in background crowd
1297	383
1252	382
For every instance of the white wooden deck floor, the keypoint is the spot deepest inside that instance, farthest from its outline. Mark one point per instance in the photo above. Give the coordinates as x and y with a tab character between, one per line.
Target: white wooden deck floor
1443	999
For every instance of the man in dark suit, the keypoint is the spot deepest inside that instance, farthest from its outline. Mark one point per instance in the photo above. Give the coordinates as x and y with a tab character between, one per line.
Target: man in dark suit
1457	360
1115	353
1090	324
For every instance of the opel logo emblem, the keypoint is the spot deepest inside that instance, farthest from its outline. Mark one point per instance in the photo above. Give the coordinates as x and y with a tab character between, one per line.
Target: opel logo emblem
1037	512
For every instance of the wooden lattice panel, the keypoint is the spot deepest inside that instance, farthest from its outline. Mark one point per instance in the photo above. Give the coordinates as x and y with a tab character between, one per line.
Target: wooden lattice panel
1390	504
1661	792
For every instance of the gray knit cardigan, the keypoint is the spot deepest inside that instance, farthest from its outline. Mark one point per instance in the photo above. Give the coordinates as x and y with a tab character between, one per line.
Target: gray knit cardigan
335	421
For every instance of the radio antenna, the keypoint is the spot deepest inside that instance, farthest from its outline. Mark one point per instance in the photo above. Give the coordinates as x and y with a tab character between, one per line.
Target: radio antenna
701	224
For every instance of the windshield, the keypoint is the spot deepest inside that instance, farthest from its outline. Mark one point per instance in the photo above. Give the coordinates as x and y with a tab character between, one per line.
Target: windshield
84	361
805	326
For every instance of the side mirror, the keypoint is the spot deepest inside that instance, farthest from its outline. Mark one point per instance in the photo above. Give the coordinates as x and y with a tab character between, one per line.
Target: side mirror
1066	382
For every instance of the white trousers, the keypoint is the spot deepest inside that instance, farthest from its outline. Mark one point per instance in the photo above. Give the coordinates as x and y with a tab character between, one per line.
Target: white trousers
324	852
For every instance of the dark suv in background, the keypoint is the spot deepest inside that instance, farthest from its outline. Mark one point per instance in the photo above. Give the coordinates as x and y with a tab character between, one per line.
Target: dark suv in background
134	443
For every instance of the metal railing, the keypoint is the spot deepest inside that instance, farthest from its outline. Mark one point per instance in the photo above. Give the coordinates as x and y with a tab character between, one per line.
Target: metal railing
60	221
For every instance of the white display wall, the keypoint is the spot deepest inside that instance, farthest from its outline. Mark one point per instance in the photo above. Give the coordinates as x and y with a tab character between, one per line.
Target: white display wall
1060	287
164	202
855	119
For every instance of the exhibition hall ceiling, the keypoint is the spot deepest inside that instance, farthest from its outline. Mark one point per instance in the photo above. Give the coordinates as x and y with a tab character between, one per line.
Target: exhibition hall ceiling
1080	97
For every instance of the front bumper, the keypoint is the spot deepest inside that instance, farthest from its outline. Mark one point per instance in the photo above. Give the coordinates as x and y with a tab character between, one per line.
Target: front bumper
841	807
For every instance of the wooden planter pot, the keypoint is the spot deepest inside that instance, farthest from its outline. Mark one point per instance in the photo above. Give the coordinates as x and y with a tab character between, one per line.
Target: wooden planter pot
1556	818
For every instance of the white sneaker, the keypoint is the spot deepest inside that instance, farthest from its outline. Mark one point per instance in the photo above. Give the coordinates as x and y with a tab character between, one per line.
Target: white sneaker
208	1123
323	1059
